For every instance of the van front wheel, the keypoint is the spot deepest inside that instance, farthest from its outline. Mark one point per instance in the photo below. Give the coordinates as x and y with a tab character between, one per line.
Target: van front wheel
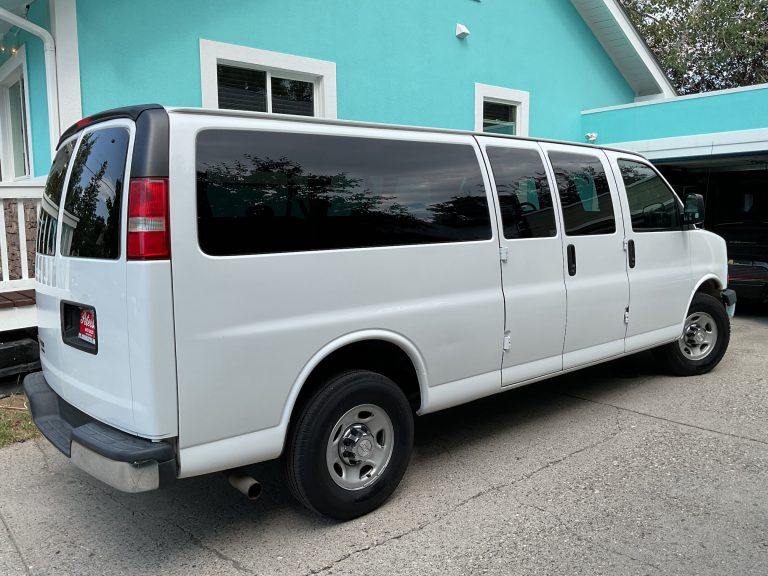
706	334
350	445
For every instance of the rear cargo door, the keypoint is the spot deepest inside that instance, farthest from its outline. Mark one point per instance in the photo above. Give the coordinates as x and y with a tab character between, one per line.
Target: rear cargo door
81	274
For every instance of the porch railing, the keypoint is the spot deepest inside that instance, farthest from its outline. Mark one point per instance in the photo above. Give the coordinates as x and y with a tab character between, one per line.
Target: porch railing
19	214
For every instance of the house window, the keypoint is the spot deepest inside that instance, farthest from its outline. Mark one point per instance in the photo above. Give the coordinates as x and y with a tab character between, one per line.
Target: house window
264	91
501	110
242	78
499	118
15	157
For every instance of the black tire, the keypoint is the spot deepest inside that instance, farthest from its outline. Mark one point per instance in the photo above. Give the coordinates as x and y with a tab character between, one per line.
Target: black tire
675	360
305	461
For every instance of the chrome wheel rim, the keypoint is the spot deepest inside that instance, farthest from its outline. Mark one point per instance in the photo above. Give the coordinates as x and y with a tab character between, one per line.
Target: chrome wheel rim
359	447
699	336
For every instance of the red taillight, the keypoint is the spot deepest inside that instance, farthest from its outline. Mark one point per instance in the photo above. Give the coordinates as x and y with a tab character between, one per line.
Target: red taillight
149	232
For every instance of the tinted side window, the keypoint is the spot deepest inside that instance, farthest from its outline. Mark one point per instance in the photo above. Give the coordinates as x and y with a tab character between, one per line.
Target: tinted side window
260	192
49	213
524	196
652	204
91	227
584	194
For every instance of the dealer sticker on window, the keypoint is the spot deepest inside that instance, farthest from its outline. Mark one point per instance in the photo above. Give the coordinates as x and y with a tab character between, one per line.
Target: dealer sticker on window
87	326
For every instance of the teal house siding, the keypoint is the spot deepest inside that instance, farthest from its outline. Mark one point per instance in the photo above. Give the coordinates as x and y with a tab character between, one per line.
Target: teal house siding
730	110
38	100
397	61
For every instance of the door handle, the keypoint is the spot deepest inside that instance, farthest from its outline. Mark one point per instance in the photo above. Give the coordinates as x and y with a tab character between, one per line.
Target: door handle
571	259
631	253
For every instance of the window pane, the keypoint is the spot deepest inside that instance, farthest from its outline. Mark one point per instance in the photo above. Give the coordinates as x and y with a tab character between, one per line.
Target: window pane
293	97
584	194
262	192
524	196
652	204
91	221
49	206
499	118
242	88
18	129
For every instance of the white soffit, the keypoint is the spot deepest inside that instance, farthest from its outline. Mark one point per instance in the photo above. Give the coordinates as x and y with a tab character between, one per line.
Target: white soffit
612	28
18	7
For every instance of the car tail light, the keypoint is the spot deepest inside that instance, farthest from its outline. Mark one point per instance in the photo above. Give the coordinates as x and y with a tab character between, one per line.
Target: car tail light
149	232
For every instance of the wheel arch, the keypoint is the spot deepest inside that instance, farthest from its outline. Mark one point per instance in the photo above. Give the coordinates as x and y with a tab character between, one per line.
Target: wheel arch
371	349
709	284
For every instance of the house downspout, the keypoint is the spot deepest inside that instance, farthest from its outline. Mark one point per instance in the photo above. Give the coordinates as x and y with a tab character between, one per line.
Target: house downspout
49	48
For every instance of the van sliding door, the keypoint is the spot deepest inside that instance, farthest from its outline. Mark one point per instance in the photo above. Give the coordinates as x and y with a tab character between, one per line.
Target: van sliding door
532	261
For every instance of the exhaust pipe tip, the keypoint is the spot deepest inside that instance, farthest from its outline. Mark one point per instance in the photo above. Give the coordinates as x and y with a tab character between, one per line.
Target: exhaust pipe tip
245	484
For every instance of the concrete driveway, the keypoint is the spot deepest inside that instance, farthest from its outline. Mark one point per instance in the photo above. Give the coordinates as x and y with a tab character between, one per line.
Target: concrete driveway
614	470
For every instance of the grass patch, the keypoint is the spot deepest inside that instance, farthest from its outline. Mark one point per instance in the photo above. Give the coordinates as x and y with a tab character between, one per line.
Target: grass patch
15	420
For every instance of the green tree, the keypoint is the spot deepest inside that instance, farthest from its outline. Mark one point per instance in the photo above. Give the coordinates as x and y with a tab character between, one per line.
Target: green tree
706	45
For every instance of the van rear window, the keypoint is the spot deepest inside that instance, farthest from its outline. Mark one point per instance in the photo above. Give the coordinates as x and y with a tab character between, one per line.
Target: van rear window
91	221
262	192
49	212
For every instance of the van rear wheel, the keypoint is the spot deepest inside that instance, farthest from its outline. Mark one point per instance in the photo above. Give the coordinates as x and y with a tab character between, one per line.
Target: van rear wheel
706	334
350	445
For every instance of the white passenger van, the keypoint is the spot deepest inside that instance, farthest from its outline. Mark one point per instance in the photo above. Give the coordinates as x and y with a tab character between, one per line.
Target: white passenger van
220	288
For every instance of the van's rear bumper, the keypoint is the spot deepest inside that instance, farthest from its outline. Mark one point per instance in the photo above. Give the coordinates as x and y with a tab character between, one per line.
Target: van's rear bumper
125	462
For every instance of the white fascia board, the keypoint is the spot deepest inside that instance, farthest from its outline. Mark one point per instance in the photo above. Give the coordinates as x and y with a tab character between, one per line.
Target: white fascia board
677	98
630	32
712	144
621	41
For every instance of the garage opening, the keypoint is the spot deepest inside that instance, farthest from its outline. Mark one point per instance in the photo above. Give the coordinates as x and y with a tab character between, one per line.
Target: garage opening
735	189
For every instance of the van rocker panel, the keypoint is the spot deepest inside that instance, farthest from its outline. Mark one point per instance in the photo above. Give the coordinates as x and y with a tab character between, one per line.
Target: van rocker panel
128	463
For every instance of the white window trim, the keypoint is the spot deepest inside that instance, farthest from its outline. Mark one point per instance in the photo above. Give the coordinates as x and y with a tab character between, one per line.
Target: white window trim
321	72
497	94
11	70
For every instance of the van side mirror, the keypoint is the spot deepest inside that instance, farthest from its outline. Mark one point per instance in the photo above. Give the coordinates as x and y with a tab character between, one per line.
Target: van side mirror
694	209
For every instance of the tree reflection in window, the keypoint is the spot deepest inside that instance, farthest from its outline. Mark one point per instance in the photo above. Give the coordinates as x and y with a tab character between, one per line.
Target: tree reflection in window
652	205
49	205
585	195
91	219
525	200
264	192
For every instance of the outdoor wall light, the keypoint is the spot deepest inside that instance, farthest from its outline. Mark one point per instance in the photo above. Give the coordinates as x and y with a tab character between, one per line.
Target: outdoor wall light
591	137
461	31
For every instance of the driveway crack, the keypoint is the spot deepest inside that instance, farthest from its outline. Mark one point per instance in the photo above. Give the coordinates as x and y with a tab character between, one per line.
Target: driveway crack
669	420
219	554
15	544
190	536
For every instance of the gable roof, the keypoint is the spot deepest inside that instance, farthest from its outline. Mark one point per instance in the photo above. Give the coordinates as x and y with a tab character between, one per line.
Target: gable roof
611	26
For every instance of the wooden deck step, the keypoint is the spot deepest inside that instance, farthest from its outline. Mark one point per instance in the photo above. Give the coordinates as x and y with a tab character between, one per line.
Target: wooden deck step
17	299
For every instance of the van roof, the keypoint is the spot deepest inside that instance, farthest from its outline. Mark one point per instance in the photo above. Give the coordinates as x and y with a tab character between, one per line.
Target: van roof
133	112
